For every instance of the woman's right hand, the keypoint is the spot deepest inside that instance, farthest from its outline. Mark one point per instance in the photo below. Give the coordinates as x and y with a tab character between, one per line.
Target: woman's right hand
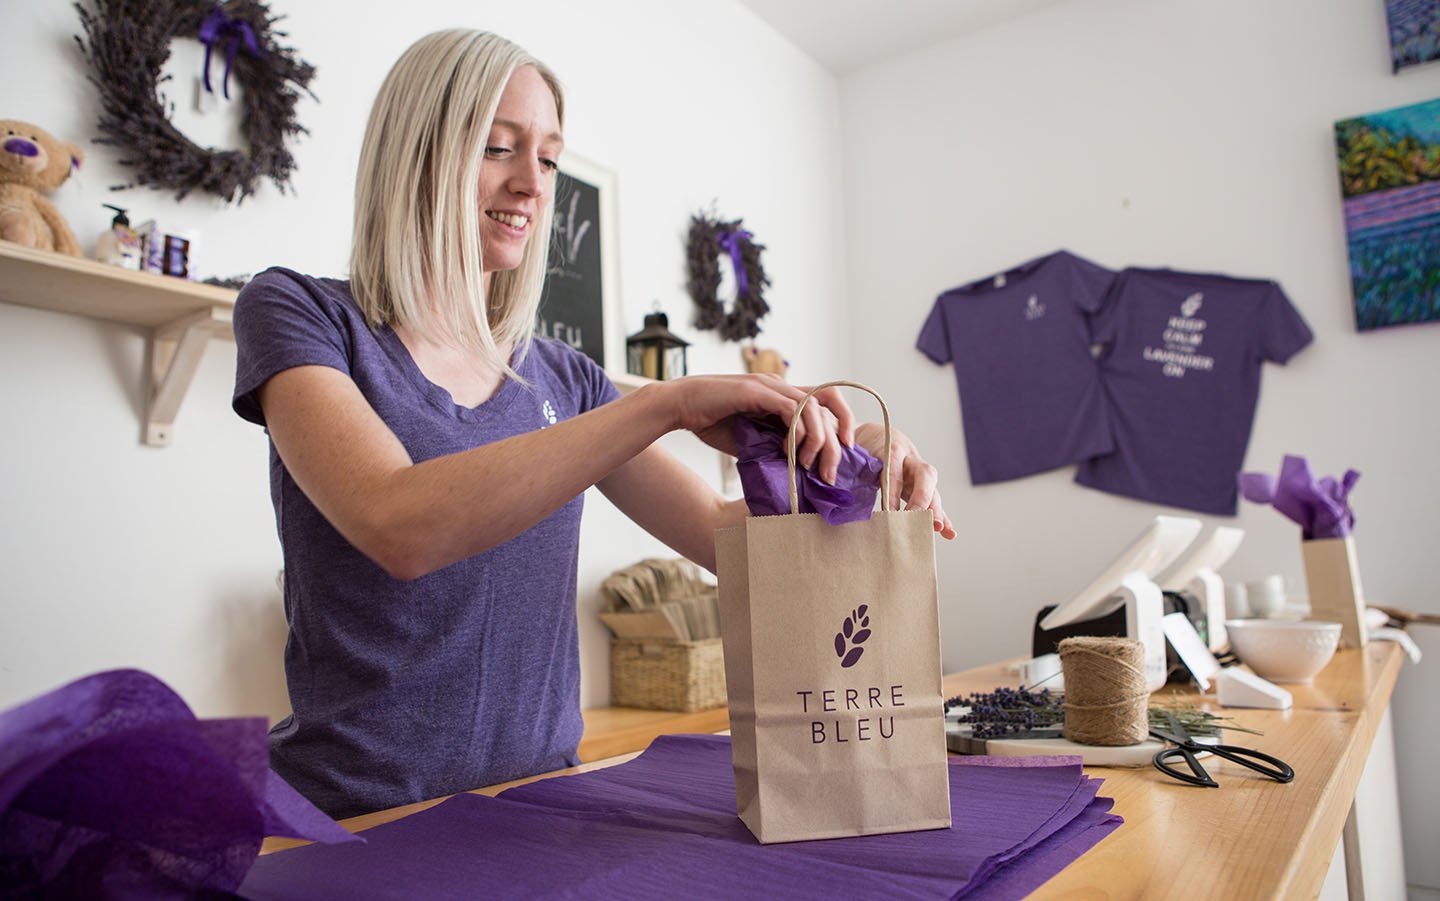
912	480
705	404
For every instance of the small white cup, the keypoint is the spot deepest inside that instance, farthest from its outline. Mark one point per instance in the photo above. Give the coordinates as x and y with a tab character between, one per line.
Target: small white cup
1266	597
1237	605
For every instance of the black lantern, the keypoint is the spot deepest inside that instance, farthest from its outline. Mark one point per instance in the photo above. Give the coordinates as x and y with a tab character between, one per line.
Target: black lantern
655	352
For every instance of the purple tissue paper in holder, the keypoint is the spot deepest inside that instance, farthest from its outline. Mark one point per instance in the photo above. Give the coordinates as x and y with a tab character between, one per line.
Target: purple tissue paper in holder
1322	509
764	475
110	787
1320	506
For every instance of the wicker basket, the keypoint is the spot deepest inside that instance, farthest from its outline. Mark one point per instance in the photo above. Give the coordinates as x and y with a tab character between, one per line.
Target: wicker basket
667	675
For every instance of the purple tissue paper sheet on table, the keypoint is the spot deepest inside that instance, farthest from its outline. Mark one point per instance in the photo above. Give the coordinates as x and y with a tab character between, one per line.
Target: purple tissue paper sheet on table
110	787
664	826
1320	506
763	465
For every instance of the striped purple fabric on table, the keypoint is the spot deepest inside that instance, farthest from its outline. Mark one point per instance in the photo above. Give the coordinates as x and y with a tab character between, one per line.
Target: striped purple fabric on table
664	825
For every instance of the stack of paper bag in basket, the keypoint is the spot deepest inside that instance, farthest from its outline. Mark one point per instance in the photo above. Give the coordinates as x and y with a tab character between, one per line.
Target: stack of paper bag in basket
666	653
832	654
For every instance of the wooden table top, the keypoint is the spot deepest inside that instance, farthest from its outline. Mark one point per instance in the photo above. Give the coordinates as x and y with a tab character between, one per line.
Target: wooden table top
618	730
1250	838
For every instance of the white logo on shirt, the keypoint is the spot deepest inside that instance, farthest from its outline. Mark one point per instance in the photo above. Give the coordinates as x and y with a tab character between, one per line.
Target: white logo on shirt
1034	309
549	413
1182	337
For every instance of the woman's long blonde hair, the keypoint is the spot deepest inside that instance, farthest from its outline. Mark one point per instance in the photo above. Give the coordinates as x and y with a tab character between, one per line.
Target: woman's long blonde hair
416	257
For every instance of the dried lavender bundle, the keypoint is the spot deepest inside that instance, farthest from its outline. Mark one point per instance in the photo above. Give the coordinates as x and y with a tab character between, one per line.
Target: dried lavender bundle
1007	711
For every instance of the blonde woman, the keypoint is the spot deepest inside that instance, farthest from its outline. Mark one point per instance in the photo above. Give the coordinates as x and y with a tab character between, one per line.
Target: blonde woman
429	455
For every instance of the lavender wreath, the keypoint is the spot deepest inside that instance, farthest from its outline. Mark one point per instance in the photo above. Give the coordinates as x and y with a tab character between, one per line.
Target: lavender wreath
128	41
709	238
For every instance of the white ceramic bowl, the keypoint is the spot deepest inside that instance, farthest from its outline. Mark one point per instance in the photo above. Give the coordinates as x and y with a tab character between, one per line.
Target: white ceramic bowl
1283	650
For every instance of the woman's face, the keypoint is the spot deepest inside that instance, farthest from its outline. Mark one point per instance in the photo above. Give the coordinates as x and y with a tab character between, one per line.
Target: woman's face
518	173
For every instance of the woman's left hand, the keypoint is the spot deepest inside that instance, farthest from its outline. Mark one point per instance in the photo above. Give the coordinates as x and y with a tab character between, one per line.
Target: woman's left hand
912	480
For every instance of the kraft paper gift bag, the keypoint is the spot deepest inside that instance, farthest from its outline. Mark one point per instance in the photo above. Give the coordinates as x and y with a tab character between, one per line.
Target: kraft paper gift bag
832	662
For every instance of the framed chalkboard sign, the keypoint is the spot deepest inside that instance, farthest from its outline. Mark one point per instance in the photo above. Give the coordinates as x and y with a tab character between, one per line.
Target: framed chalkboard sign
581	301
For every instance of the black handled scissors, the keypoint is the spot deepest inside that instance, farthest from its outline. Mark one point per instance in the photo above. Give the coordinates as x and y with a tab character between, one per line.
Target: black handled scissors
1187	748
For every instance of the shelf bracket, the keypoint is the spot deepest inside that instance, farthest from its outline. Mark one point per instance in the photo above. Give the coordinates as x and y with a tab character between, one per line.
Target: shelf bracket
175	352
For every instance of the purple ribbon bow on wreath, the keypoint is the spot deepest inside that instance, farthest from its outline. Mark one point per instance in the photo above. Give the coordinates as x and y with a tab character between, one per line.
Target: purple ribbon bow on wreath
730	240
219	27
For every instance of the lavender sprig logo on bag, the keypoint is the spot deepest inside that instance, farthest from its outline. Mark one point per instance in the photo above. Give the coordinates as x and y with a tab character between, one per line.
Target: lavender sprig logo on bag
852	712
851	636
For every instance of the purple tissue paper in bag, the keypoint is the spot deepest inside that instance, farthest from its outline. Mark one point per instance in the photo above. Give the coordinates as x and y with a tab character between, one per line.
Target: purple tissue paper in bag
763	465
110	787
1320	506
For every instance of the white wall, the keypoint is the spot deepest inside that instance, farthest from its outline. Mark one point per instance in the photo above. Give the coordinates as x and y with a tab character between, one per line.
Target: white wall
116	554
1190	135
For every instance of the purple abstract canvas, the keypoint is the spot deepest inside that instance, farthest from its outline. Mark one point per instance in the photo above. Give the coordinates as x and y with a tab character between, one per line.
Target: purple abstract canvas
1390	187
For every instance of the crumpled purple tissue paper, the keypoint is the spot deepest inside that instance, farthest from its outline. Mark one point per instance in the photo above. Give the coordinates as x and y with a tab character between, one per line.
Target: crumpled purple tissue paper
764	475
1320	506
111	788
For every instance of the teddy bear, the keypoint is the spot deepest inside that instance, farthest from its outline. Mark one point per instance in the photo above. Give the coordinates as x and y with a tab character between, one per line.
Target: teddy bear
32	164
764	360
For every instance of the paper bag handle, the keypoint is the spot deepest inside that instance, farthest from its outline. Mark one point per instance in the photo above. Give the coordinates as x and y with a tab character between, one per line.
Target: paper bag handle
790	442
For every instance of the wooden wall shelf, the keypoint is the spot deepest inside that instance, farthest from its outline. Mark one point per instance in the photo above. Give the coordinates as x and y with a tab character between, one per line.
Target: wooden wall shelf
65	284
179	316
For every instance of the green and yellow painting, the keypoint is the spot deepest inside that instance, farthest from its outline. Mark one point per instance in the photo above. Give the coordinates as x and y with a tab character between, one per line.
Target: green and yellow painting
1390	182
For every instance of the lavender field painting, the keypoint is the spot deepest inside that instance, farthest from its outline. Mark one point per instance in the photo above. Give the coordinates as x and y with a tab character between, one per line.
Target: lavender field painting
1390	183
1414	31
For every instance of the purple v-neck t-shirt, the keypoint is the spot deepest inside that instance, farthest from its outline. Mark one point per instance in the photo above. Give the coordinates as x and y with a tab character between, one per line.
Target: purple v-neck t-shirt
1181	367
1030	397
469	676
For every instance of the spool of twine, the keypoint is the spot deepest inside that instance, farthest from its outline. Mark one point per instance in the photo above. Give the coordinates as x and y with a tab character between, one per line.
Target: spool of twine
1106	702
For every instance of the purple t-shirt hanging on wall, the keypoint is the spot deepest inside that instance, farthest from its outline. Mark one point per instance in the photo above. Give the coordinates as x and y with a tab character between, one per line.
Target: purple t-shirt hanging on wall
1181	369
1030	397
408	690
